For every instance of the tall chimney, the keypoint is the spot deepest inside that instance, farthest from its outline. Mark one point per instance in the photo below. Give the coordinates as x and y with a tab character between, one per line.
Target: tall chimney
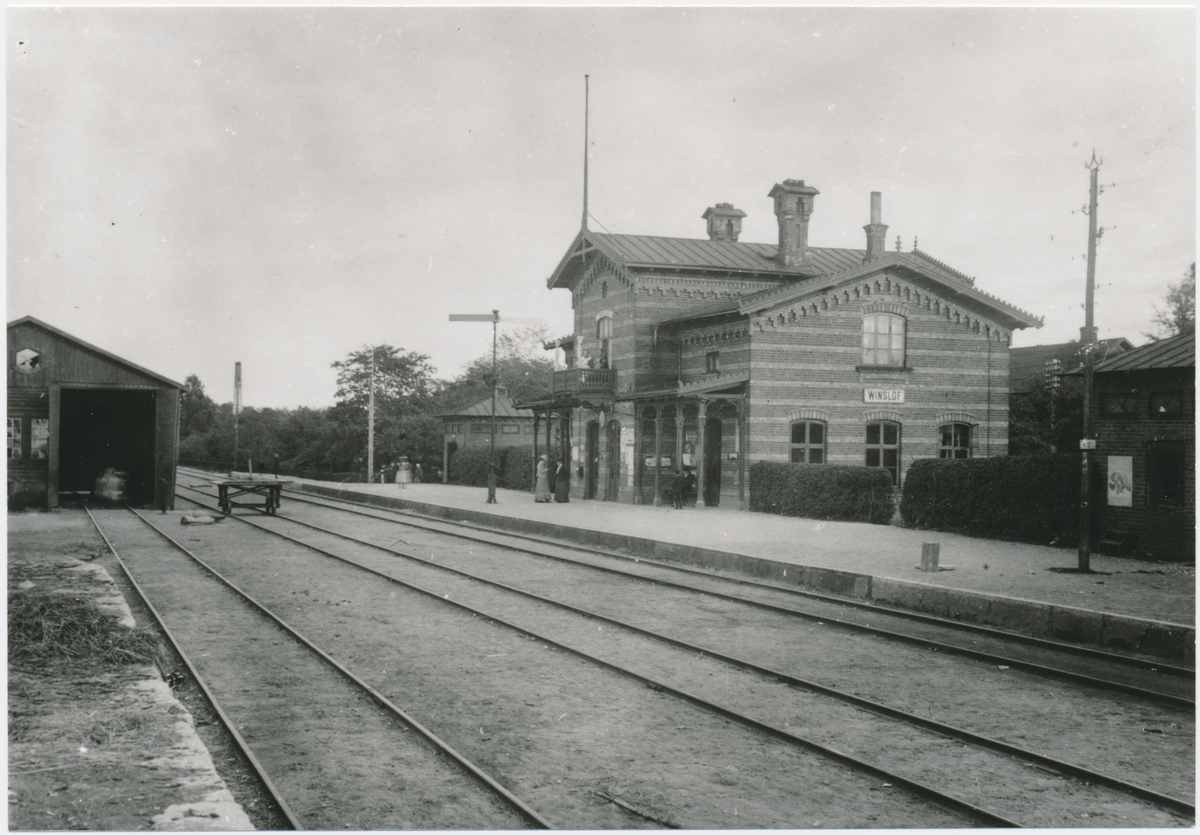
793	205
724	222
876	230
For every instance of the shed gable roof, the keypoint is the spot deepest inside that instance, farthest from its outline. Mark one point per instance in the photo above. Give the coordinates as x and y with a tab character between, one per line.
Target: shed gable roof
1174	352
67	338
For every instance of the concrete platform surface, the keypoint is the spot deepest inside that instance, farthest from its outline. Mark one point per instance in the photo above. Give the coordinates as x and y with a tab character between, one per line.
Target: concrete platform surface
1003	583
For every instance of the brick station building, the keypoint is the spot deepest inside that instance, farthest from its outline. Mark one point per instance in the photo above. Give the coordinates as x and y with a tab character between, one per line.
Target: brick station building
712	353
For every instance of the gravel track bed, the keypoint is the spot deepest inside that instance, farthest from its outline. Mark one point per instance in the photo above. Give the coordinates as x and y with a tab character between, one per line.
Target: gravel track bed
563	734
338	759
1096	729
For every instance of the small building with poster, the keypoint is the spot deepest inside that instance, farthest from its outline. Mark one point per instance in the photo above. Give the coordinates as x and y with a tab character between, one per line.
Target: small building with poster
78	414
1144	420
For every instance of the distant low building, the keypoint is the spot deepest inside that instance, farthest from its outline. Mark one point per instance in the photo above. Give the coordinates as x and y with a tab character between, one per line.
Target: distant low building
1046	363
1143	417
471	426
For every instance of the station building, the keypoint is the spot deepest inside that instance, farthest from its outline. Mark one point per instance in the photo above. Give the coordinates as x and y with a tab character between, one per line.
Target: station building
712	353
76	411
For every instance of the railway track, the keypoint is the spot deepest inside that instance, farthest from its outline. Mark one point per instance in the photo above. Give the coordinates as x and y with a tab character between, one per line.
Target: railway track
253	666
1153	679
903	744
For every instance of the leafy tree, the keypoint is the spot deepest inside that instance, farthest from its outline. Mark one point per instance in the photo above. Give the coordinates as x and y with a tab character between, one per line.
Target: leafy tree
522	367
403	380
1047	418
196	410
1180	315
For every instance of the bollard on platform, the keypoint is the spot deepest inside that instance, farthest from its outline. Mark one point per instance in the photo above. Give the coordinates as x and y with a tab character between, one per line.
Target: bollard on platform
929	556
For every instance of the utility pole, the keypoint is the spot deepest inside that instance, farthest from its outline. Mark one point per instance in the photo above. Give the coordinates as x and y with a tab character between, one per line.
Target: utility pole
1088	338
371	423
494	318
237	410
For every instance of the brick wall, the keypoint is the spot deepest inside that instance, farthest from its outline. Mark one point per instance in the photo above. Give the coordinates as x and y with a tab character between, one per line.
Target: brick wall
1163	531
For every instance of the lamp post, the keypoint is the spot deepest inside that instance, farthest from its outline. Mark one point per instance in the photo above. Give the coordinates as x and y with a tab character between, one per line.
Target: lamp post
494	318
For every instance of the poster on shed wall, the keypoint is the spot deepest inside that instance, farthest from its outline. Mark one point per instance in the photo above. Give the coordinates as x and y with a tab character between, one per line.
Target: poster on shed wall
1120	481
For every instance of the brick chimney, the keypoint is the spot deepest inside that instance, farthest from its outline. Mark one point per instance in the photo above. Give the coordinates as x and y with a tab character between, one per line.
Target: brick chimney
876	230
724	222
793	205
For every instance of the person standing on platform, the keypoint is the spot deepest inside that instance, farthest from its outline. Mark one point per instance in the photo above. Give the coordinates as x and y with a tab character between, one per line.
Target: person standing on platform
403	473
676	488
541	491
417	475
562	481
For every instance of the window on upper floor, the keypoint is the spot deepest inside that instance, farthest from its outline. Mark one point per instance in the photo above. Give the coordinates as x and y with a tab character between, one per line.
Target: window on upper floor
1166	404
604	340
1118	405
712	362
883	339
14	439
956	441
808	442
883	447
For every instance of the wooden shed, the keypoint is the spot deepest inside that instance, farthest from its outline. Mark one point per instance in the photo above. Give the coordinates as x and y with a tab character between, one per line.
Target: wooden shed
76	411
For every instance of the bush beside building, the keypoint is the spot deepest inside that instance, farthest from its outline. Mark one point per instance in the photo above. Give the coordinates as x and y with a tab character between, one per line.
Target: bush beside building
1029	498
822	491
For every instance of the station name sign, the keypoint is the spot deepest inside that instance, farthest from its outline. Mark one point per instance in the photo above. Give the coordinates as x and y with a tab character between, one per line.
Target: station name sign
883	395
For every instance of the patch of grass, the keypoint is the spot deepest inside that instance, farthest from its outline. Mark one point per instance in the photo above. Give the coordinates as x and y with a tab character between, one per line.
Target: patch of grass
44	629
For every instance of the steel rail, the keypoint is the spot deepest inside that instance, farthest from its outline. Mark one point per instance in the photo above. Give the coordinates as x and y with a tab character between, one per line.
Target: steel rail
525	810
226	721
1080	772
991	657
1043	643
946	801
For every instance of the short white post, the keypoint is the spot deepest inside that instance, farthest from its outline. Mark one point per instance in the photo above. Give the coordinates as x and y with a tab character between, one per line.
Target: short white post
929	556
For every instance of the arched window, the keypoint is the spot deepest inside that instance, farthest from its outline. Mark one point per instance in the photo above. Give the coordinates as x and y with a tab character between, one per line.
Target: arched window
883	447
808	442
604	339
883	339
956	441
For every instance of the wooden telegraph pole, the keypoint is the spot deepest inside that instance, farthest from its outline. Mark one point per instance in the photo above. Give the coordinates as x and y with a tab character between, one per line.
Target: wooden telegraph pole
237	410
494	318
371	423
1088	338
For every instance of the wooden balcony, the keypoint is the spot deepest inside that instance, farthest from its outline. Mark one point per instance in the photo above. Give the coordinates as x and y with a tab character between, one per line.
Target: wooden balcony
585	382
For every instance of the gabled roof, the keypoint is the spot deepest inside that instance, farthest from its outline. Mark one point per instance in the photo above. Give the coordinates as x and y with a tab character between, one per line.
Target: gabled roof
649	251
483	409
734	257
951	283
1173	352
66	337
1028	365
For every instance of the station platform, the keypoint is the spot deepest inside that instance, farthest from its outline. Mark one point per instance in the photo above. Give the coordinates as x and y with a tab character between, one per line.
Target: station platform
1124	605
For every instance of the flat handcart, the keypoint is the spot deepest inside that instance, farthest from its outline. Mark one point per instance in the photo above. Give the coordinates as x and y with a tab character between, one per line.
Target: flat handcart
263	494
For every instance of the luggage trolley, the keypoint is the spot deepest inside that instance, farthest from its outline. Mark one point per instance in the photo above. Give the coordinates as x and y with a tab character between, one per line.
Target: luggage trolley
268	493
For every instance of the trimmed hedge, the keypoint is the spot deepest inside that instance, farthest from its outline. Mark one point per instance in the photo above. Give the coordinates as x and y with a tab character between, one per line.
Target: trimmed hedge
1029	498
470	466
822	491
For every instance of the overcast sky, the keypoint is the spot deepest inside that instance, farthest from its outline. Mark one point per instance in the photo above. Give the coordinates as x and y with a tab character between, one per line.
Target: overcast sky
190	188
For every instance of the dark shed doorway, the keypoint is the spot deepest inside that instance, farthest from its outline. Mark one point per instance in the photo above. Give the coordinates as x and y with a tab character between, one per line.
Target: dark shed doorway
101	428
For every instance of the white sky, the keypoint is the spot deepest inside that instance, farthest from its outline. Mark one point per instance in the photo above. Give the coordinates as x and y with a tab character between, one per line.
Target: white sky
189	188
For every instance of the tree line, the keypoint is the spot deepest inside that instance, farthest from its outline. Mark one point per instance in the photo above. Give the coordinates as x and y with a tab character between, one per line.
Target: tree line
331	442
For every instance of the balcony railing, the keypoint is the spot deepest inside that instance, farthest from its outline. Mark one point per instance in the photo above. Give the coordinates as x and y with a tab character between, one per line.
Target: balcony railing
580	382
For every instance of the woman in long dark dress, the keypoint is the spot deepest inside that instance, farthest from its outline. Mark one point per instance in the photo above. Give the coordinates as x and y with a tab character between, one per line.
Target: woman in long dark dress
562	482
